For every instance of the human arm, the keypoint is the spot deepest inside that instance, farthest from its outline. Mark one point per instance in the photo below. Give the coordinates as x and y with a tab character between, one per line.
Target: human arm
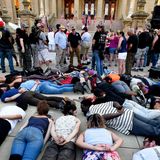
48	131
22	45
82	144
8	99
119	43
37	82
120	111
73	133
117	142
154	41
11	117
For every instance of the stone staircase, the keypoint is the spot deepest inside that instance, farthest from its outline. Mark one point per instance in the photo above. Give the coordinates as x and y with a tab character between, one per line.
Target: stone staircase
114	25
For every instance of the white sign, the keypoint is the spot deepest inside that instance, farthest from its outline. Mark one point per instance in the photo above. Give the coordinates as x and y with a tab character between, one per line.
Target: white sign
106	9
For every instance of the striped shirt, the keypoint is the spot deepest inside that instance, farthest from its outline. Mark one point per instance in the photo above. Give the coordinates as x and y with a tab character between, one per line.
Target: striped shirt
123	123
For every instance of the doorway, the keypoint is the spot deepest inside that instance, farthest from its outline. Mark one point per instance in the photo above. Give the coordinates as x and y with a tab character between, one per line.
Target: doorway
69	9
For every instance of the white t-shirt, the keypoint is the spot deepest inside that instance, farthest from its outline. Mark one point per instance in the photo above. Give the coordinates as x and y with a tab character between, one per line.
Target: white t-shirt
152	153
51	38
12	110
65	125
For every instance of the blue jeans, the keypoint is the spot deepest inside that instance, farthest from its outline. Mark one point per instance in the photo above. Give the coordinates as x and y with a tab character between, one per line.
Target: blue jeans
96	60
155	58
145	127
50	88
28	143
6	53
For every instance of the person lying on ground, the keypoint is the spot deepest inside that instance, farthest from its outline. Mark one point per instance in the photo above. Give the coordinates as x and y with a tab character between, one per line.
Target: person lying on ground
64	132
97	141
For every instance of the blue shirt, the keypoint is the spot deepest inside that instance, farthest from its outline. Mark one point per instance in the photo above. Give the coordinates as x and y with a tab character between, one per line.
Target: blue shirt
28	85
61	39
9	94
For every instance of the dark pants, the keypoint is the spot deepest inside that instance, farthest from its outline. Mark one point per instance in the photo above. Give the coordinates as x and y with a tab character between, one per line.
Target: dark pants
26	57
33	98
129	62
145	127
5	127
57	152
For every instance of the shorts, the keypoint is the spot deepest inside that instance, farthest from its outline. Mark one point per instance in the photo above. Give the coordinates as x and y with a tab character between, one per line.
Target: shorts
112	50
122	55
43	55
140	54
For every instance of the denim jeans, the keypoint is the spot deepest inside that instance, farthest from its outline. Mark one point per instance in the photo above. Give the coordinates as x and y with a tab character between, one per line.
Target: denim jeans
6	53
97	60
50	88
140	110
28	143
121	86
155	58
145	127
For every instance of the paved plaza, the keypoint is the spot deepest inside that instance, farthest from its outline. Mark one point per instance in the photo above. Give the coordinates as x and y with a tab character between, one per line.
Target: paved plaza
131	143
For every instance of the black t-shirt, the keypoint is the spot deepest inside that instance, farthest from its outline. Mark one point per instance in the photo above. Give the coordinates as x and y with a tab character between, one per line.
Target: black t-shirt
4	40
100	39
111	94
74	39
154	90
142	40
156	46
133	39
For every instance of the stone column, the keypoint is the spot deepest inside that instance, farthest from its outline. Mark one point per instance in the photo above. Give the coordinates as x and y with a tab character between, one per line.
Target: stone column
99	9
41	7
54	7
123	8
35	7
46	7
76	8
131	8
139	17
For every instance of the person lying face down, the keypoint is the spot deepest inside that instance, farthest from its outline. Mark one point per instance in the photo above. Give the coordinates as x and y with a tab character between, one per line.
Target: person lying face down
64	132
25	98
9	116
122	119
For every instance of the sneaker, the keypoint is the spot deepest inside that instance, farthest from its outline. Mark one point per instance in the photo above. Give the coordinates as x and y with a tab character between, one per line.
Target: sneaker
135	69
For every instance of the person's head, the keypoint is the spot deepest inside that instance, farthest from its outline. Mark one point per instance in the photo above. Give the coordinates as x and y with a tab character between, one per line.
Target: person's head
151	142
58	26
4	87
70	109
73	30
95	121
85	105
85	29
62	28
130	31
98	92
143	87
155	103
43	108
121	34
41	26
99	28
24	27
18	31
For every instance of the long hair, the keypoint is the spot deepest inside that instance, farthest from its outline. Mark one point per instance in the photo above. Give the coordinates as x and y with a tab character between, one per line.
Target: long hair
69	107
95	121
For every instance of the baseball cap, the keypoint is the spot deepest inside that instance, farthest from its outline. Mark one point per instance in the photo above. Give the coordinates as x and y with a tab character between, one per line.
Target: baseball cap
2	23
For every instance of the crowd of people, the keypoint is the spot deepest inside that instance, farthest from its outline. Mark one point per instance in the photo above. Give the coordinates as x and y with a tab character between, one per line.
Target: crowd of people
126	103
